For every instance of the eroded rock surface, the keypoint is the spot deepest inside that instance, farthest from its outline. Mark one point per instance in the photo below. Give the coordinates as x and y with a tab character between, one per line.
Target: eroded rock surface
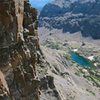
19	44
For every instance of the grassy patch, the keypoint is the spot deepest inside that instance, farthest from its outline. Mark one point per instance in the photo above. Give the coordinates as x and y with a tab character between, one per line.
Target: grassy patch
90	92
79	73
53	44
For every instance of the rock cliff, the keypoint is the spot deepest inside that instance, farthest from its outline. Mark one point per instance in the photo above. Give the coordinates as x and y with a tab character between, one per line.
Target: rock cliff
19	45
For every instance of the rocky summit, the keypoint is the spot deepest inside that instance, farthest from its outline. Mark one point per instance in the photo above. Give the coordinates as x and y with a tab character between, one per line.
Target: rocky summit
73	16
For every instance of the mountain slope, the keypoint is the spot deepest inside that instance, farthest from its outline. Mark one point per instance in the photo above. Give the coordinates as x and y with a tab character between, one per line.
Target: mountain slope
65	79
73	16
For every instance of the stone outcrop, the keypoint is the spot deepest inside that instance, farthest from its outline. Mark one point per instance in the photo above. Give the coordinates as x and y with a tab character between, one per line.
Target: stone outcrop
19	45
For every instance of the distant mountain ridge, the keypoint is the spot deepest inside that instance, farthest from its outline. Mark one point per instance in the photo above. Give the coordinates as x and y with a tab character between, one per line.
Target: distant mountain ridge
73	16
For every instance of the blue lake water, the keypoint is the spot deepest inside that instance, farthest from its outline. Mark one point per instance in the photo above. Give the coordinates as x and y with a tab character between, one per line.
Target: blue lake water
82	61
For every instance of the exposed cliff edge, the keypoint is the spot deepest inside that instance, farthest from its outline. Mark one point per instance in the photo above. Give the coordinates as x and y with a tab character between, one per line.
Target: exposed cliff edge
19	45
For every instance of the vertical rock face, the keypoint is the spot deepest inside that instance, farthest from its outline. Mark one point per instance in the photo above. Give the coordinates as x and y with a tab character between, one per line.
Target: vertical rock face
18	51
19	12
8	22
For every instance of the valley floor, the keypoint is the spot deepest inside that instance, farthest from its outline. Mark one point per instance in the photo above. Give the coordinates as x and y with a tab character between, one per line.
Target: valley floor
71	81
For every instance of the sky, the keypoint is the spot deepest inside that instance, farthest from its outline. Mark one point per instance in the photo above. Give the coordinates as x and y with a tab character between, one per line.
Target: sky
39	3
